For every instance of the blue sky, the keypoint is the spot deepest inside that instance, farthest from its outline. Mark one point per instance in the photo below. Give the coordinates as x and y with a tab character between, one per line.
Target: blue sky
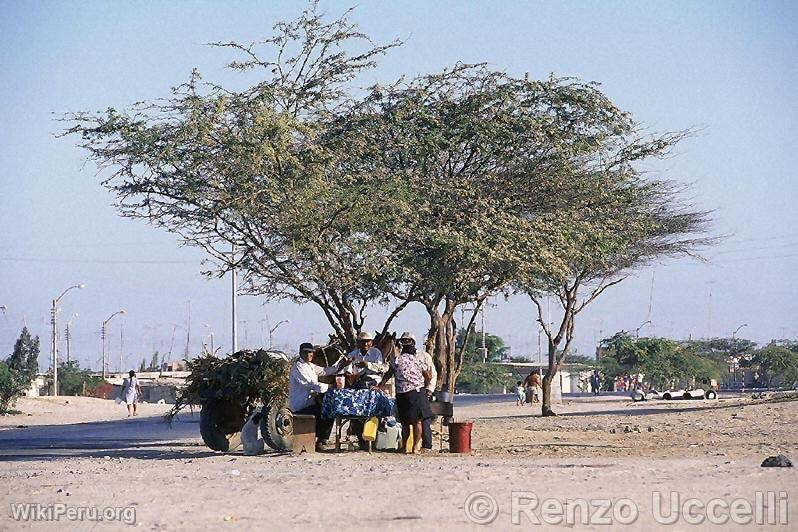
727	68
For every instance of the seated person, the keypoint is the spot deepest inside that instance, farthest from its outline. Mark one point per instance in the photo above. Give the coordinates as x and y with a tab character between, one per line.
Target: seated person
304	390
367	363
363	373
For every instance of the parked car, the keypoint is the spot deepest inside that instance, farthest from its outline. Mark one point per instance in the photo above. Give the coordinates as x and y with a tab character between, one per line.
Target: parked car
698	393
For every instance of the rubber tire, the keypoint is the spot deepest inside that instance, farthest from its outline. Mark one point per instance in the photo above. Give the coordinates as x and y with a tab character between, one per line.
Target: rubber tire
212	434
277	426
687	396
638	397
711	394
666	396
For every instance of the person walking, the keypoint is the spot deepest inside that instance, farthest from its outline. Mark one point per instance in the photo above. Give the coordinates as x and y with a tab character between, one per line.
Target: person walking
132	392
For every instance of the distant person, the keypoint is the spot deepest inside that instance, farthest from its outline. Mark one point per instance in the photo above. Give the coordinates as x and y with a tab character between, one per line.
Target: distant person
132	392
520	394
595	382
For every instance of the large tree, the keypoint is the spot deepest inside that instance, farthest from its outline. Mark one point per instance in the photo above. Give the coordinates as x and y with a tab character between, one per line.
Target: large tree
472	150
615	221
245	169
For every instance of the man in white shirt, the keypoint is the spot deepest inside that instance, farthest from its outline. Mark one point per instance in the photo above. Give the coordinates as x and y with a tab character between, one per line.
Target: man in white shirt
367	365
304	390
426	433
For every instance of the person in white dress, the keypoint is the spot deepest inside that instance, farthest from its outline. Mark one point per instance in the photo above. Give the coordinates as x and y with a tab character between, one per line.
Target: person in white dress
133	393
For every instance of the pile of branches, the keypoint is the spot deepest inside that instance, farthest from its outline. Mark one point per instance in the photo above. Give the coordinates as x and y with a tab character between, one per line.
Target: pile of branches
243	377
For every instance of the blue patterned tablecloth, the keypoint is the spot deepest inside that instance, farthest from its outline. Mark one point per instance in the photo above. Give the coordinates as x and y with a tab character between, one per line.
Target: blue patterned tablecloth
365	403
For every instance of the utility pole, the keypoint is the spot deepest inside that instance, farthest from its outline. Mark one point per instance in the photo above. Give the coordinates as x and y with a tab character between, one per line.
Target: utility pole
54	323
103	336
121	347
235	288
188	331
68	335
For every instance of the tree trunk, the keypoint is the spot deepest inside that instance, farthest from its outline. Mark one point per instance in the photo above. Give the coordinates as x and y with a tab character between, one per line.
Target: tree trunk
441	344
553	368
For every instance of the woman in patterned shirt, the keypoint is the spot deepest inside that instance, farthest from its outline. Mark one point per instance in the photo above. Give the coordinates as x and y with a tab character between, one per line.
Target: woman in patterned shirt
412	377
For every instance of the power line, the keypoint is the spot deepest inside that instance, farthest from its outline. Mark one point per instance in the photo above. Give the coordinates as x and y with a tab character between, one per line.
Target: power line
83	261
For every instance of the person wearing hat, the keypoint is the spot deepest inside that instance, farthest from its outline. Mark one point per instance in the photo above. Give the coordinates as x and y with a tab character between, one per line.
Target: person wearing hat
367	363
365	370
304	390
408	338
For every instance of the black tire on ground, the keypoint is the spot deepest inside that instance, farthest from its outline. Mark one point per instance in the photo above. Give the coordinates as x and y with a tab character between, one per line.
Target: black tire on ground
666	396
687	395
711	394
637	397
220	424
277	426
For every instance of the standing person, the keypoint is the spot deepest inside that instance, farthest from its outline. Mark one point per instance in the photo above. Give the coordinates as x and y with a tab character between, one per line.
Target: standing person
364	372
305	390
595	382
408	338
520	394
412	377
536	387
528	387
133	393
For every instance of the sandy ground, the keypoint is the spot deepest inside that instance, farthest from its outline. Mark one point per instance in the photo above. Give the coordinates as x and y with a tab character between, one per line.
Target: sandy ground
590	458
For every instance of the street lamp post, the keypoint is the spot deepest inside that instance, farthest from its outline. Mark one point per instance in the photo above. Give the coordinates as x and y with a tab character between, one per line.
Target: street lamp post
102	334
736	357
271	331
637	331
69	334
54	322
210	331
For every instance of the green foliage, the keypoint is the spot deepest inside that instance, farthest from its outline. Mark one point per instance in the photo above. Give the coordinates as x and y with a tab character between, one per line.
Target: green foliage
777	365
72	379
442	189
581	359
245	376
7	388
19	370
494	345
662	362
478	377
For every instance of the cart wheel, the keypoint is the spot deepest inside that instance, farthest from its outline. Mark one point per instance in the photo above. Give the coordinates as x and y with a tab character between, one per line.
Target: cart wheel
277	426
711	394
220	424
666	396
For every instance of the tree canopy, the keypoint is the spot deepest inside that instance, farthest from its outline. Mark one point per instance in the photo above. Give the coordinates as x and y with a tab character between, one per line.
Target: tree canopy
441	190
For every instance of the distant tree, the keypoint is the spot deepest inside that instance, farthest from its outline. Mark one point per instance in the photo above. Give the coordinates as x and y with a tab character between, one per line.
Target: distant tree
494	344
143	365
73	380
777	365
19	369
154	365
582	359
662	362
478	377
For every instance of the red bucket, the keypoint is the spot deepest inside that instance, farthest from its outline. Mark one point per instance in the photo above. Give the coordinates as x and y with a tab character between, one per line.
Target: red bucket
460	437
